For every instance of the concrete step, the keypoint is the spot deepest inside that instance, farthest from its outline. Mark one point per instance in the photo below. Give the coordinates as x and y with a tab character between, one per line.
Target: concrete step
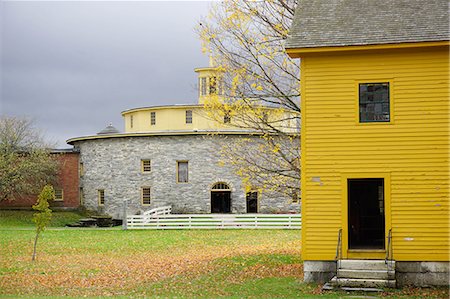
366	274
365	283
365	264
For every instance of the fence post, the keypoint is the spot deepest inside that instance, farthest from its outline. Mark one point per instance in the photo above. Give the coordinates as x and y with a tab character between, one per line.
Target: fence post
125	220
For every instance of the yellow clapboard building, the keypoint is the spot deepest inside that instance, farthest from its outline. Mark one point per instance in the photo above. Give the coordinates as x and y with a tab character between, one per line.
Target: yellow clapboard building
375	140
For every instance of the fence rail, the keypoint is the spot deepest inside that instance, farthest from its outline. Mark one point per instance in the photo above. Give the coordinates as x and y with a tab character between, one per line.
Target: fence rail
215	221
158	211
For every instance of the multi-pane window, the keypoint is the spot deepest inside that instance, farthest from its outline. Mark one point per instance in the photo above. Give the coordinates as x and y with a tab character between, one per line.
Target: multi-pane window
182	171
203	86
101	197
189	116
212	85
227	118
374	102
146	165
295	197
81	169
145	195
81	196
265	117
59	195
153	118
131	121
219	87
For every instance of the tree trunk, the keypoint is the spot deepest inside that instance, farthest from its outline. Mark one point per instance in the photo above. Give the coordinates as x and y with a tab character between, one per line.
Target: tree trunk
35	245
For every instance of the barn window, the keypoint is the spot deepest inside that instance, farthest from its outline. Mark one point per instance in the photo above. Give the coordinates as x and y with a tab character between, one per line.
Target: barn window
101	197
189	116
295	197
374	102
202	86
152	118
182	171
59	195
212	85
131	121
81	196
81	169
145	195
220	187
227	117
146	165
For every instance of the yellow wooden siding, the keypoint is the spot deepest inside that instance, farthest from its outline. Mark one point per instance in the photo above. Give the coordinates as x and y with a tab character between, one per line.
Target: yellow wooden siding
168	119
413	148
173	118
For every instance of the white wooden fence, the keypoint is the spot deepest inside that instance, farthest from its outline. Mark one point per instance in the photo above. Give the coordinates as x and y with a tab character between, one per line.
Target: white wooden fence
215	221
158	211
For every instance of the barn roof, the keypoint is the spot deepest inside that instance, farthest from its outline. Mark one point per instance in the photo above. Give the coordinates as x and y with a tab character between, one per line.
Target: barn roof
330	23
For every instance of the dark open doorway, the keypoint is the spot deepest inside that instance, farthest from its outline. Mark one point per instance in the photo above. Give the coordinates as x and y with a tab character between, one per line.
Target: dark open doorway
252	202
366	214
220	198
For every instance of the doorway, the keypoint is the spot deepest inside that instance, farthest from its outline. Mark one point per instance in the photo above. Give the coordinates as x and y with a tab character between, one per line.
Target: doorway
252	202
366	213
220	198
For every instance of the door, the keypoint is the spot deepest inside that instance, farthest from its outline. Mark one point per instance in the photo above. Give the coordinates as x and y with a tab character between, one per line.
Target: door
220	202
366	213
252	202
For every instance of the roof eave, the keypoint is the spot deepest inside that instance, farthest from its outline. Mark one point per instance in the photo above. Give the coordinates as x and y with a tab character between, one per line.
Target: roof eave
298	52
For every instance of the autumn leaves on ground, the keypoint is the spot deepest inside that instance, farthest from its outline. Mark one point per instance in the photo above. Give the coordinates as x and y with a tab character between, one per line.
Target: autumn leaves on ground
96	262
153	264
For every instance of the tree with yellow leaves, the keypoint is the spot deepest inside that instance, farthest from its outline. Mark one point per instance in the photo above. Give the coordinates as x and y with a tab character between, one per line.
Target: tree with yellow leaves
258	89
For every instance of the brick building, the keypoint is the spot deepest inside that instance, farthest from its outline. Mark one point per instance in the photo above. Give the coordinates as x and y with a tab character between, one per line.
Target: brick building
67	189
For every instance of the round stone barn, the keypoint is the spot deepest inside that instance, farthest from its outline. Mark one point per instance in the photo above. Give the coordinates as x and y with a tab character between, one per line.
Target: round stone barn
169	156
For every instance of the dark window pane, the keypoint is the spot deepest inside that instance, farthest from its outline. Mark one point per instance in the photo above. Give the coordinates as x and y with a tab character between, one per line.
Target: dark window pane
374	102
182	172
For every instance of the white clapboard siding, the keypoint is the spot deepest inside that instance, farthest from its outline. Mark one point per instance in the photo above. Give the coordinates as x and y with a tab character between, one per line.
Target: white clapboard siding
215	221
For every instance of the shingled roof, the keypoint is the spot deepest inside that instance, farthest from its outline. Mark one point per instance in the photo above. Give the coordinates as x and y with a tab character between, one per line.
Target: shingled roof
329	23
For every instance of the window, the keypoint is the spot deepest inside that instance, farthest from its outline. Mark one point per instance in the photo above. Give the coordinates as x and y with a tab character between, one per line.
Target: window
101	197
265	117
59	195
252	202
189	116
220	186
182	171
145	195
212	85
227	118
203	86
146	165
152	118
81	196
374	102
295	197
219	87
131	121
81	169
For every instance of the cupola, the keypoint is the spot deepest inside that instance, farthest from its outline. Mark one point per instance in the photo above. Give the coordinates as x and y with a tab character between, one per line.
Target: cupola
108	130
209	82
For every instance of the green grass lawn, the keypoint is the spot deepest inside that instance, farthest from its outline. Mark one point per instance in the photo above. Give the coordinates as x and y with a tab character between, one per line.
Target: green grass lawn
12	218
104	263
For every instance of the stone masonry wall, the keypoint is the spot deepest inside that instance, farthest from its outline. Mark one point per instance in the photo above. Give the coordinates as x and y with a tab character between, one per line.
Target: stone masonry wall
114	164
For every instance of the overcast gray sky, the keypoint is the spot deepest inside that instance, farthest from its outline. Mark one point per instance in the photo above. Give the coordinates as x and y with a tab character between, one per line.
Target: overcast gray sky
74	66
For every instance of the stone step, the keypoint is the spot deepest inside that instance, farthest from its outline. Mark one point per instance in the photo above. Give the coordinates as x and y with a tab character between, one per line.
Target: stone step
366	274
365	264
366	283
329	287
